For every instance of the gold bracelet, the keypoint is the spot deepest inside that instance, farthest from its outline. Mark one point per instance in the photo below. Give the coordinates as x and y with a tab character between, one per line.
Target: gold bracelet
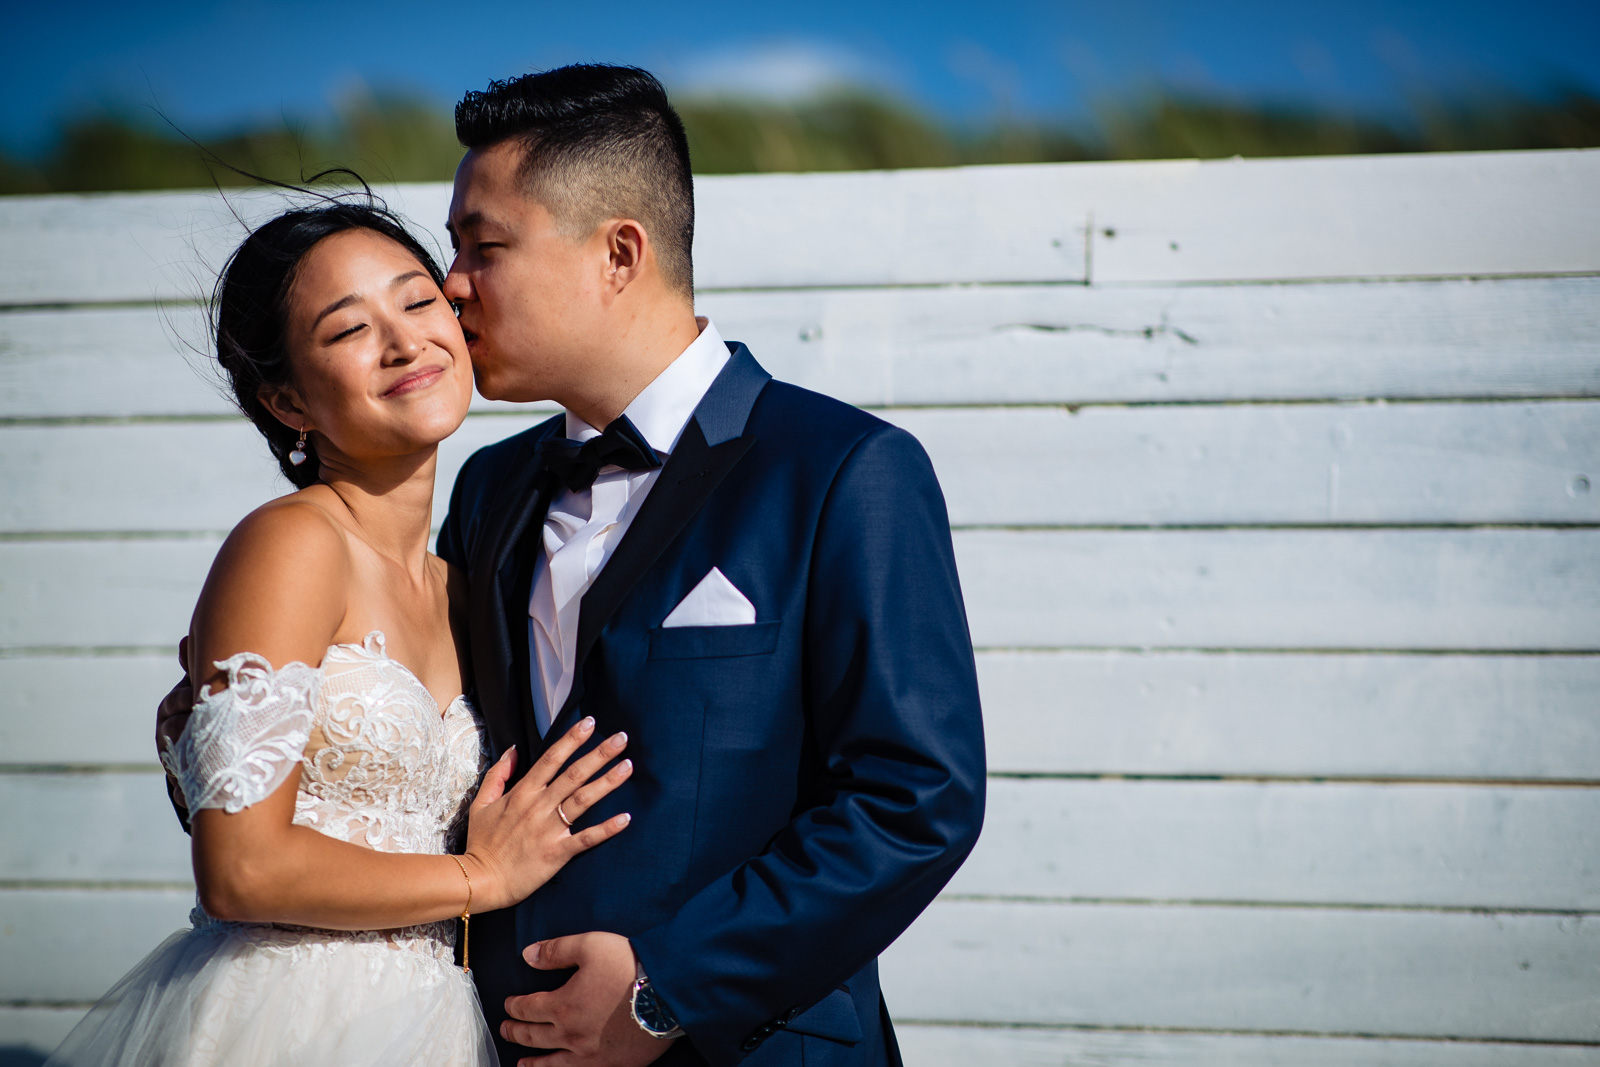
466	920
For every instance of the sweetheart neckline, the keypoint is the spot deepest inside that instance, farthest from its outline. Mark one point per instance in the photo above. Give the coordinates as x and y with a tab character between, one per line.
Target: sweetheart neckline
383	651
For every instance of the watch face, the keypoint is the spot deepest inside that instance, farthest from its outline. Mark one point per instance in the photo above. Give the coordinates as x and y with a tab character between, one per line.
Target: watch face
652	1014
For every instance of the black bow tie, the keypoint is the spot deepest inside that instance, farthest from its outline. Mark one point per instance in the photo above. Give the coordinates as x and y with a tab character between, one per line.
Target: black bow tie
577	462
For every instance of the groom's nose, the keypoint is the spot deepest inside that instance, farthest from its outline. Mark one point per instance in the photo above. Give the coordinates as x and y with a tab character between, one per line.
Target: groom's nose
458	286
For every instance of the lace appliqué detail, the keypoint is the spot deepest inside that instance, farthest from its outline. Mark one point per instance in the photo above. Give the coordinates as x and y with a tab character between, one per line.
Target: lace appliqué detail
243	740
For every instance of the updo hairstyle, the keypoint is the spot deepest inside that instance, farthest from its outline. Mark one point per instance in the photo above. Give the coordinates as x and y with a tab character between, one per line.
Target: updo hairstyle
250	312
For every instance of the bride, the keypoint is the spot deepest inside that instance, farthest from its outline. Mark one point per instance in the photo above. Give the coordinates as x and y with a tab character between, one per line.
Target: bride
330	762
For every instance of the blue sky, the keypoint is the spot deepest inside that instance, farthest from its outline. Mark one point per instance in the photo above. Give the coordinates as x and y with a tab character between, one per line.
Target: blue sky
212	65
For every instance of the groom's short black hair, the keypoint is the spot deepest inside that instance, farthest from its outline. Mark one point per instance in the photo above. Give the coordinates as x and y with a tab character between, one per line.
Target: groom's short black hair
601	142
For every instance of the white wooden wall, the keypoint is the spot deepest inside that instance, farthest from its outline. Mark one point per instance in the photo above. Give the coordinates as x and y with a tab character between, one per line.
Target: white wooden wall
1288	623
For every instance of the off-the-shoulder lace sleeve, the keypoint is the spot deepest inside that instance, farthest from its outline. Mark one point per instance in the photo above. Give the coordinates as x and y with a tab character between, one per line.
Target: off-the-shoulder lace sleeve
243	740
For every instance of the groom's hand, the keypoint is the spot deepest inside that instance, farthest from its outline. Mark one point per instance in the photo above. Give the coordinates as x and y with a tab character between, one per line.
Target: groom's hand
172	715
590	1019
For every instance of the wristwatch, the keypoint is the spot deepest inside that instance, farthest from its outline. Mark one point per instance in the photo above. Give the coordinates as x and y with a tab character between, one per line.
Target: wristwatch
653	1017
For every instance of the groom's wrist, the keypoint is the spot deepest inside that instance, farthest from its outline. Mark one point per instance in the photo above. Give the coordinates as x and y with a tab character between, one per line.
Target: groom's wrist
648	1009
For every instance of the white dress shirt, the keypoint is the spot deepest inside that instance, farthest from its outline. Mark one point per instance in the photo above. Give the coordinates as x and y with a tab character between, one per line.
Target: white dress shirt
583	529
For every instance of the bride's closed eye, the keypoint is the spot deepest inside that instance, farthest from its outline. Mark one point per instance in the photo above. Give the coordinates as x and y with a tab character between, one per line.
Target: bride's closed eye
421	304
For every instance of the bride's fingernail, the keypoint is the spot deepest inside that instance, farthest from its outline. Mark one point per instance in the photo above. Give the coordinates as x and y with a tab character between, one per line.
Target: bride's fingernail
626	765
618	740
587	724
531	953
624	818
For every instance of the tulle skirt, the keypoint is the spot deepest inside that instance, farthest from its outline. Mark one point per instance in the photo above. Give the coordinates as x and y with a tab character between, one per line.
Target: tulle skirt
247	995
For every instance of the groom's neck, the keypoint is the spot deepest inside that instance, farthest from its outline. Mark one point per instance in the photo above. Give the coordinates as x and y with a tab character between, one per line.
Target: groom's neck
640	342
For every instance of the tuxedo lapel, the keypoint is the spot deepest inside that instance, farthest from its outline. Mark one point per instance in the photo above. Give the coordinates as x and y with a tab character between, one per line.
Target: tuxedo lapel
711	445
510	575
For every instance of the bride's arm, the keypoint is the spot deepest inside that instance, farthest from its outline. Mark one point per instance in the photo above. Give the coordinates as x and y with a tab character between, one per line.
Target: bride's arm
278	592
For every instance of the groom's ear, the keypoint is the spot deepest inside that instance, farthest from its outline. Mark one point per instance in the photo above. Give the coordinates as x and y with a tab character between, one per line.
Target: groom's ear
628	247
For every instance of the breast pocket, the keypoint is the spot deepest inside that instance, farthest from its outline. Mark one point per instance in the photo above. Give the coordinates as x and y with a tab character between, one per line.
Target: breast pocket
706	642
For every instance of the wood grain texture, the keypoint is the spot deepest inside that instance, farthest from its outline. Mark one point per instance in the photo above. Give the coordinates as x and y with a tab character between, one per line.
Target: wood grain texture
1375	973
1201	465
1294	589
115	827
1269	464
1027	344
174	476
100	593
1353	217
1419	846
83	709
962	1046
1150	713
1074	344
1489	589
1288	714
77	942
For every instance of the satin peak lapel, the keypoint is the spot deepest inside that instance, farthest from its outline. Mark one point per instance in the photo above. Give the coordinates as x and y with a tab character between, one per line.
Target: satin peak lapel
712	443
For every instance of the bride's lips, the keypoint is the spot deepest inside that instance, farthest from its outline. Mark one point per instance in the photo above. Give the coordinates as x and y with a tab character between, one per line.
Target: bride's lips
417	379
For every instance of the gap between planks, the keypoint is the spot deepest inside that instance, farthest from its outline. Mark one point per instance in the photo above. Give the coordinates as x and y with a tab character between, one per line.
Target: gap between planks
22	769
1072	407
178	302
45	536
976	1024
1275	905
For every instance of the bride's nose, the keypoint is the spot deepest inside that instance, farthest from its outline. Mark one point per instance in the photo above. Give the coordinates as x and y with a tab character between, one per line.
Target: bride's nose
405	347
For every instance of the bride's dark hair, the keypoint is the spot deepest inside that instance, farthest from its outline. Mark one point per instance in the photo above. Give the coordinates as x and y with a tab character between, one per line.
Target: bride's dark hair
249	307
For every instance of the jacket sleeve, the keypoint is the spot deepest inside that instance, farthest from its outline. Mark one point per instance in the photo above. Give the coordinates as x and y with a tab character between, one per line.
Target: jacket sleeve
892	701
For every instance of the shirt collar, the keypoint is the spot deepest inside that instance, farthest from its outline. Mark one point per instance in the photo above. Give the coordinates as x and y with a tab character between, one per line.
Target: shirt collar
663	409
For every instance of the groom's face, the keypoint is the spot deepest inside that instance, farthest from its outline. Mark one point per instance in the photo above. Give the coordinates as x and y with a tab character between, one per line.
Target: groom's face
527	289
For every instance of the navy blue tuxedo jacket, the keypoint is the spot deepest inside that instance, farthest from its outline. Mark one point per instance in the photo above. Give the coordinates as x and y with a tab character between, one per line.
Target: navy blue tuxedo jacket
804	786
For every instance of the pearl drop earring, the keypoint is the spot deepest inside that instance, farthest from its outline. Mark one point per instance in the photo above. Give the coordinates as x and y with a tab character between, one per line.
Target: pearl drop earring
298	456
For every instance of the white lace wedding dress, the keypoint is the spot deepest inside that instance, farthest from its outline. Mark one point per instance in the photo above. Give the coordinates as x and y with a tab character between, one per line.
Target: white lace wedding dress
380	766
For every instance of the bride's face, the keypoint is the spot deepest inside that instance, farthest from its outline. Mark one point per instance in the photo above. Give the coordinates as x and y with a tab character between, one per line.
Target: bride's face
378	364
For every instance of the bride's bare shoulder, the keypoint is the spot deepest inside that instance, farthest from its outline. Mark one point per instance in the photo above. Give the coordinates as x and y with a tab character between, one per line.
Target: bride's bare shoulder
278	586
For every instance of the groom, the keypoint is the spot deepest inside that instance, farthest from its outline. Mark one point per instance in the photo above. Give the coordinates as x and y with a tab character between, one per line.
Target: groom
755	582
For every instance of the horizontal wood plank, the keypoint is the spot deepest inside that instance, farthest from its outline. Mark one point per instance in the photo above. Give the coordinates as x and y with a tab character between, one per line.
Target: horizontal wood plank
77	942
1354	217
174	476
1291	589
1349	217
1376	973
1418	846
1289	714
83	709
1321	971
1150	713
1027	344
1075	344
1423	589
962	1046
1294	464
1358	844
115	827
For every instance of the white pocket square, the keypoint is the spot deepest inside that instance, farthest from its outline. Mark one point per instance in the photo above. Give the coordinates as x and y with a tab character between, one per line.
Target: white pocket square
714	602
